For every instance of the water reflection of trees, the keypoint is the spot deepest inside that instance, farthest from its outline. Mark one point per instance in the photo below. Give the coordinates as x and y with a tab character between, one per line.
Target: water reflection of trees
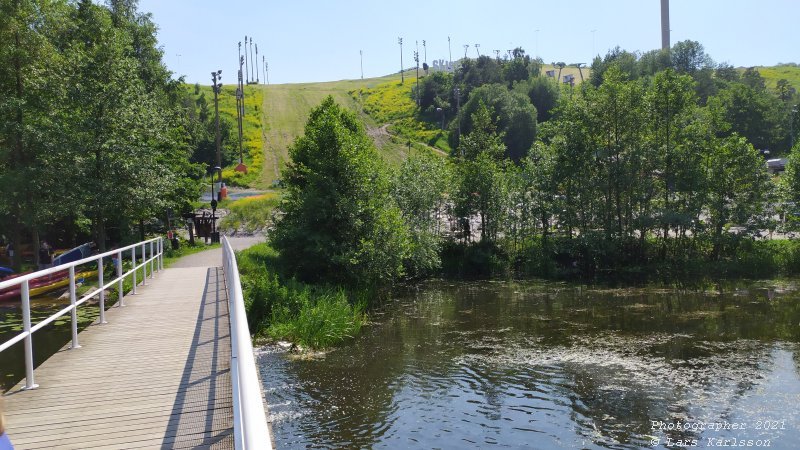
418	345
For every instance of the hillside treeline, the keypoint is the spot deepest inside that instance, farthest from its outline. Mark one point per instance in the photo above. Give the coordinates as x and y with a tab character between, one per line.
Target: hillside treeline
655	158
96	138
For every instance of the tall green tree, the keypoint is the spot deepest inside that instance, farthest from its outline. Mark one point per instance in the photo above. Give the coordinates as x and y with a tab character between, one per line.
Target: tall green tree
482	184
737	184
513	113
36	166
421	187
340	223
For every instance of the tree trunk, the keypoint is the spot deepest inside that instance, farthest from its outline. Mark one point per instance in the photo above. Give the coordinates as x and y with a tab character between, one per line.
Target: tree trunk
16	240
35	245
100	226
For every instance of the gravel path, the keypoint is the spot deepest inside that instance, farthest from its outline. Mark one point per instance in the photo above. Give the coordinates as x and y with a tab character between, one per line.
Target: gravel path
213	258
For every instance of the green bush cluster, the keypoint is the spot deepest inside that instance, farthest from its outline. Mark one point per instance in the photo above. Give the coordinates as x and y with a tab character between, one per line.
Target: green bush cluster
313	316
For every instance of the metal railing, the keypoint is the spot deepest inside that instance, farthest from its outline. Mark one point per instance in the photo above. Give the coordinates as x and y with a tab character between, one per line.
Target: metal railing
250	427
156	261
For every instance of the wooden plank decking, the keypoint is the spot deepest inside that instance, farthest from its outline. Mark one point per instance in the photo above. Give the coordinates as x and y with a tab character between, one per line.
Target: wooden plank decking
157	375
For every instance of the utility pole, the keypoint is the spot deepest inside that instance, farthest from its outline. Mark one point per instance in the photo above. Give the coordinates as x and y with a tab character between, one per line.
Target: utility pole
466	47
361	55
264	67
477	46
256	67
458	119
425	50
267	69
665	25
400	41
246	71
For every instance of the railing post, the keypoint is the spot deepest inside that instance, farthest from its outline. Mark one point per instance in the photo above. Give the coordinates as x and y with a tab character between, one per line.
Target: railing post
152	259
161	256
120	286
144	265
30	383
101	285
133	258
73	299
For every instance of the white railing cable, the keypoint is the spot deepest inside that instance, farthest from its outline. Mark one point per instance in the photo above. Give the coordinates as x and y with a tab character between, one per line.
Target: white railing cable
24	282
250	427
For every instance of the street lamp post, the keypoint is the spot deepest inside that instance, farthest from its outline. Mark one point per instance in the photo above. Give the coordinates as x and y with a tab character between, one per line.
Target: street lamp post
214	203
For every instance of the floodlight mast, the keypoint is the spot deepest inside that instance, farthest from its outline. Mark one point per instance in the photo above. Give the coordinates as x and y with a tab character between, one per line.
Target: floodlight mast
246	70
253	66
240	107
416	60
217	87
477	46
449	50
402	77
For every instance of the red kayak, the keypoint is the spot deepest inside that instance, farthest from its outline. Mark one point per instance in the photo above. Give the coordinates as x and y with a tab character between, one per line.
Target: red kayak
13	293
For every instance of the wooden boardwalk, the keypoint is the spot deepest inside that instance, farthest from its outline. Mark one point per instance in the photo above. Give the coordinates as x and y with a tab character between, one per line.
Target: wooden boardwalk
156	375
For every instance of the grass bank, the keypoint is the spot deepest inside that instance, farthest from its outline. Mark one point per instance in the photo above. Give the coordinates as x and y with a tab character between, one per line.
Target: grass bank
250	214
312	316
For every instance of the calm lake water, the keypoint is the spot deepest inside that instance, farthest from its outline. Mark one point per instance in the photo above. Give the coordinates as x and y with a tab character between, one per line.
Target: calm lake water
551	365
46	341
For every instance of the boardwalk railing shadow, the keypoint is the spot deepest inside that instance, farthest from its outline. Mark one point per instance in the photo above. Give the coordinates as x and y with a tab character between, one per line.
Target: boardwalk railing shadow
201	414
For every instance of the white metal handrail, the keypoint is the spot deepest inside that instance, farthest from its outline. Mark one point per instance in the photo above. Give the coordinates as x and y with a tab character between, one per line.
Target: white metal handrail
156	261
250	428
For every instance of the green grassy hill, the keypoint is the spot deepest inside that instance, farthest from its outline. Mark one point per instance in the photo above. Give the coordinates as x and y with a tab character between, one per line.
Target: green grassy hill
774	73
252	135
287	106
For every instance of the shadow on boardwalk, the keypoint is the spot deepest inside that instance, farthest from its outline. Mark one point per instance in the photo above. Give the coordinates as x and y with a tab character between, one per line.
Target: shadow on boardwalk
198	417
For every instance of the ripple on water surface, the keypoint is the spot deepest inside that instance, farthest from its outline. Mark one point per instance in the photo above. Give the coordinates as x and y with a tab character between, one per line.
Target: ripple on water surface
547	366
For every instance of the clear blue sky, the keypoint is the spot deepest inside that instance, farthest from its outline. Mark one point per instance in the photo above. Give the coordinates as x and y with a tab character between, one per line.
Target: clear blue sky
306	40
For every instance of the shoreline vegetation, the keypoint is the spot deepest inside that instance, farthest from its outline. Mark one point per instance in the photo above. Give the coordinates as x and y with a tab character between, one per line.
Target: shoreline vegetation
646	172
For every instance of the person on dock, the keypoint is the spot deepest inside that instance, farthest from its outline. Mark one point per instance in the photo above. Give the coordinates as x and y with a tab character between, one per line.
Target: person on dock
5	442
10	251
45	256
